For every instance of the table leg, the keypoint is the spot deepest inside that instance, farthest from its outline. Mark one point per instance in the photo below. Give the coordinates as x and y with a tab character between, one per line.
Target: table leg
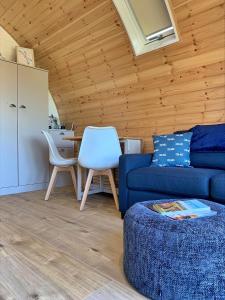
101	183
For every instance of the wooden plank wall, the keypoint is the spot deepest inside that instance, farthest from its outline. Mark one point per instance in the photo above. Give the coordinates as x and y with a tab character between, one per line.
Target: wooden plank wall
96	79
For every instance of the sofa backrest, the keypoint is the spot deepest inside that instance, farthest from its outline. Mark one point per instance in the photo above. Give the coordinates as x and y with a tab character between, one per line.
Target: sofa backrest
210	160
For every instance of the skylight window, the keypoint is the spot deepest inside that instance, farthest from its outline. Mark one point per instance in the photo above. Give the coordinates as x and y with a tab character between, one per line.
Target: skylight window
150	24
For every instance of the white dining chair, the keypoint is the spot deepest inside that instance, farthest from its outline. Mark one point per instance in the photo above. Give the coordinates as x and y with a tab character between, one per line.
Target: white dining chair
99	152
60	164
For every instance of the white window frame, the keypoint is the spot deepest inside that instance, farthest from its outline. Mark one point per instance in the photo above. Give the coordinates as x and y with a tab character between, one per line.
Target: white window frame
135	33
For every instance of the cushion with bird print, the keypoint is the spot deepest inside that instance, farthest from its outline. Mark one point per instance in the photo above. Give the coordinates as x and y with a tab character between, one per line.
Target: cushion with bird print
172	150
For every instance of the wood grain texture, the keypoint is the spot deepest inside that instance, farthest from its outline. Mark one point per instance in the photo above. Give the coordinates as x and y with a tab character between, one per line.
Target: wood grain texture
96	79
50	250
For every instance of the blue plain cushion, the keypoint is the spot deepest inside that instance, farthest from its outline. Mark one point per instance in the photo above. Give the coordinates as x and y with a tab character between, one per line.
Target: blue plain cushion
208	138
218	187
190	182
172	150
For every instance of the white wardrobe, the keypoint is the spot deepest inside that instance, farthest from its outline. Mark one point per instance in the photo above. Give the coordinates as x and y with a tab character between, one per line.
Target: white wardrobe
23	114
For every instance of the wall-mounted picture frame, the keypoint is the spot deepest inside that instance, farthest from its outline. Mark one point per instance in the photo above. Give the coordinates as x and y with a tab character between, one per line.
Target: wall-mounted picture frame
25	56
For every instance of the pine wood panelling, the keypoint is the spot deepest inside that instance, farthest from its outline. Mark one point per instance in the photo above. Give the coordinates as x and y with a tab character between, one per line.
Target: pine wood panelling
96	79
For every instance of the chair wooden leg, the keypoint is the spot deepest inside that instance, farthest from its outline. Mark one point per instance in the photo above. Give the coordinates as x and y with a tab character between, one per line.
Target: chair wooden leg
51	183
113	187
72	172
87	187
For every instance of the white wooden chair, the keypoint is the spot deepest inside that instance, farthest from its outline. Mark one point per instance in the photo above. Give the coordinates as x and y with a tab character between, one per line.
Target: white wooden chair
99	152
60	164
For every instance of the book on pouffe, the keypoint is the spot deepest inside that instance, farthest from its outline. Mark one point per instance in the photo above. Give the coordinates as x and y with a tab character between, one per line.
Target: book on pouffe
181	210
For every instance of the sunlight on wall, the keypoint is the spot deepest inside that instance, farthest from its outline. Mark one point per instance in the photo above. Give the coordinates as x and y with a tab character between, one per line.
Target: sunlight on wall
52	107
8	52
7	46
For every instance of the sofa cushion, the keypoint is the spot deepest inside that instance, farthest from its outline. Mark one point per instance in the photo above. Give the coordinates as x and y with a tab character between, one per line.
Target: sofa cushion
210	160
190	182
208	138
172	150
218	187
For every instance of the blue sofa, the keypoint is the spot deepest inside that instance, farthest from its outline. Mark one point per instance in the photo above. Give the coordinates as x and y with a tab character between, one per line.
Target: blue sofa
140	182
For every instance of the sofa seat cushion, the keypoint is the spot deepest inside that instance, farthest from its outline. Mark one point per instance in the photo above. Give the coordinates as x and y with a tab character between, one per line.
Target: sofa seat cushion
191	182
218	187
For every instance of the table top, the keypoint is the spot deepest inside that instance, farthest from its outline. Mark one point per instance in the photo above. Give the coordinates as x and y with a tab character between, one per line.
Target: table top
78	138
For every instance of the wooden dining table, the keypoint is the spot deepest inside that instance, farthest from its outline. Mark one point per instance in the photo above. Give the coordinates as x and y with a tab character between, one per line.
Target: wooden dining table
78	138
82	172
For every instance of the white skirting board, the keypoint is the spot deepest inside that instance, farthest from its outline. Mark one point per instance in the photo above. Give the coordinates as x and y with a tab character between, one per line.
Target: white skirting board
23	188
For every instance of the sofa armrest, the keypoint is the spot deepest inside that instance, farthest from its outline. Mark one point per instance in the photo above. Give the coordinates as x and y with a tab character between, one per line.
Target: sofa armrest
128	162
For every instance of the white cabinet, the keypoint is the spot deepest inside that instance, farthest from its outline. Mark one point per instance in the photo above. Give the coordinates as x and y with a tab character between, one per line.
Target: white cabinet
8	125
131	146
58	137
23	114
32	118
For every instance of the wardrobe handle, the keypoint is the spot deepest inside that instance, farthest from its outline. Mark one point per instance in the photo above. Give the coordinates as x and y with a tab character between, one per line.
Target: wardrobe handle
12	105
22	106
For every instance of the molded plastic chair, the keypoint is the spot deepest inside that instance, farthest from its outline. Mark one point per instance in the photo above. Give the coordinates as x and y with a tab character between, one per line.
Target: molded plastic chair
60	164
99	152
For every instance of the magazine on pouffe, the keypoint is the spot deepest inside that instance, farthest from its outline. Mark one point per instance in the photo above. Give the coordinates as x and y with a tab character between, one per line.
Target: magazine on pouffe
182	210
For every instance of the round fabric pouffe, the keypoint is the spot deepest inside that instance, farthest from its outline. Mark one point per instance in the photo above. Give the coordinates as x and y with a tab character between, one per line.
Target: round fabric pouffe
175	260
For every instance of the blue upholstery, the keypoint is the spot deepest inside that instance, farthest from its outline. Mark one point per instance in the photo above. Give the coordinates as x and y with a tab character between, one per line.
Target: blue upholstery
172	150
190	182
211	160
208	138
139	182
166	259
218	188
128	162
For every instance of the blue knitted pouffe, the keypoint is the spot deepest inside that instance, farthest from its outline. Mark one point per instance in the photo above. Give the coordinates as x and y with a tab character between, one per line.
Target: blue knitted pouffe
175	260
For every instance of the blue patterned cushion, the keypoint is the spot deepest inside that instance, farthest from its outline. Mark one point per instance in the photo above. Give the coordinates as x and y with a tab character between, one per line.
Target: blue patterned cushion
172	150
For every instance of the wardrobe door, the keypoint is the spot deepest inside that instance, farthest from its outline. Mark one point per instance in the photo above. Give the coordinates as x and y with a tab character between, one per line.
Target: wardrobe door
32	118
8	125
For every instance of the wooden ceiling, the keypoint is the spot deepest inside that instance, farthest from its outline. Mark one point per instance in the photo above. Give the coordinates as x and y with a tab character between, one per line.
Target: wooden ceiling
95	78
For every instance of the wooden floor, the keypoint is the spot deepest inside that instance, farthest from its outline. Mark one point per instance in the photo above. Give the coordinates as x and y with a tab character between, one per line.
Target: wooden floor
51	250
